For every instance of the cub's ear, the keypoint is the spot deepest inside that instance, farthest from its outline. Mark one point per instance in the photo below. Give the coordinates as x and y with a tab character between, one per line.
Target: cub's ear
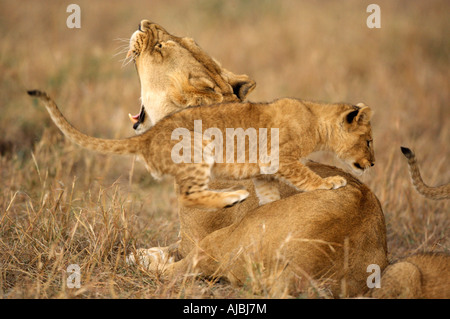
243	88
242	85
362	115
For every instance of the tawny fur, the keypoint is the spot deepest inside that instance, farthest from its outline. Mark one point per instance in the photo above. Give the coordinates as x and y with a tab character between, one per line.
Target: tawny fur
437	192
304	127
176	73
324	238
424	275
352	212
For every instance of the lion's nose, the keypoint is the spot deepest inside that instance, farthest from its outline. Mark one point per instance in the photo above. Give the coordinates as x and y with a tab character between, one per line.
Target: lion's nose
372	164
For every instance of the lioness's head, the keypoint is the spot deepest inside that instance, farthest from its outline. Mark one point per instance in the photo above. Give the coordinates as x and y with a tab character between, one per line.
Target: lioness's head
353	141
175	73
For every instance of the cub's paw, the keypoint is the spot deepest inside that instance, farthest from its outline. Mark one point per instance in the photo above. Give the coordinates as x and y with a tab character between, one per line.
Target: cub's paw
334	182
236	197
152	259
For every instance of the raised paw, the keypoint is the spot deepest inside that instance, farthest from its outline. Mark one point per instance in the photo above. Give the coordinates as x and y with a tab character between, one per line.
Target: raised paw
334	182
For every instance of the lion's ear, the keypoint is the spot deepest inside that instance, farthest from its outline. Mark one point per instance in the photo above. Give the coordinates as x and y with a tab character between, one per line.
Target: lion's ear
243	88
242	85
365	113
362	115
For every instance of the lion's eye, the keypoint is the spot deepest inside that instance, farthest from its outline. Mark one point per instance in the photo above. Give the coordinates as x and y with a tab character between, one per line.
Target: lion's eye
158	45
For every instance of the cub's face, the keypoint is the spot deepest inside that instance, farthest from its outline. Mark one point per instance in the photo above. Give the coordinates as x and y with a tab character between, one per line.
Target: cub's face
354	144
162	60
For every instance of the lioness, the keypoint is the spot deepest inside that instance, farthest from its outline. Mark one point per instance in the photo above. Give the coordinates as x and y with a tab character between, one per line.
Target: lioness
303	127
326	239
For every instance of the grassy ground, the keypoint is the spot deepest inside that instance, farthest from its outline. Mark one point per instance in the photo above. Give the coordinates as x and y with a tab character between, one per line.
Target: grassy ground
61	205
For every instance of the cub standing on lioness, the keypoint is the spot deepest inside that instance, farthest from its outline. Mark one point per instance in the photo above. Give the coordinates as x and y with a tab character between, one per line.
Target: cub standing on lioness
351	213
304	127
319	223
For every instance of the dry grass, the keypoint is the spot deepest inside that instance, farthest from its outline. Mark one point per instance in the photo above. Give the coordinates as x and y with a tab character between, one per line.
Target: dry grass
61	205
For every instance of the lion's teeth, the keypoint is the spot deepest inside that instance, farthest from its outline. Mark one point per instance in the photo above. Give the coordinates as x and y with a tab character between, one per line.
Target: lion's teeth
132	119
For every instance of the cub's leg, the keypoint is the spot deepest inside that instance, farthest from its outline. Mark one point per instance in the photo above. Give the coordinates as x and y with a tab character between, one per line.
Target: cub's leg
266	190
304	179
194	197
194	192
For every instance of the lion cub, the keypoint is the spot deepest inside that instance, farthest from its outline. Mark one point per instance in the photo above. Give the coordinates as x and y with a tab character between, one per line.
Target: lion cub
297	128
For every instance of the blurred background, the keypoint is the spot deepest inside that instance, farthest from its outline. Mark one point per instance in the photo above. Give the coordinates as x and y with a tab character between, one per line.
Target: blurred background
315	50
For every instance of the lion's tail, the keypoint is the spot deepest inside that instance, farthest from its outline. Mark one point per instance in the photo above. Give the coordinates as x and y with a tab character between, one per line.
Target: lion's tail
439	192
116	146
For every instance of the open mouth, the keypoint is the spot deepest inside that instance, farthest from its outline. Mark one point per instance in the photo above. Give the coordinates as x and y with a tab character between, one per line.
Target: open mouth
138	118
359	168
356	168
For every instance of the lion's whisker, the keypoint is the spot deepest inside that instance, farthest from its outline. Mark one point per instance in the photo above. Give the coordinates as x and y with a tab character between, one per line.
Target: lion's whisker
122	40
126	61
124	50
